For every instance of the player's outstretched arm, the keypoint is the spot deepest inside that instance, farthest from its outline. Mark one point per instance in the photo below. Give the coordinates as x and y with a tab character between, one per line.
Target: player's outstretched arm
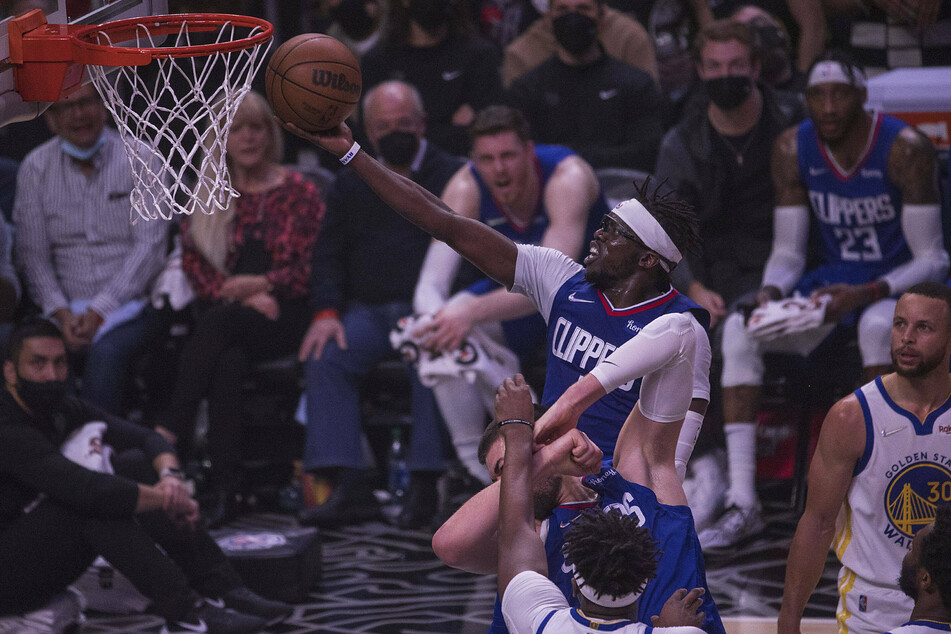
840	447
493	253
519	546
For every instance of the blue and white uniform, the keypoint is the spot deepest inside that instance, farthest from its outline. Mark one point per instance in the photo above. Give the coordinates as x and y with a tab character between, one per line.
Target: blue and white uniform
534	605
553	534
523	335
857	213
904	472
584	328
681	564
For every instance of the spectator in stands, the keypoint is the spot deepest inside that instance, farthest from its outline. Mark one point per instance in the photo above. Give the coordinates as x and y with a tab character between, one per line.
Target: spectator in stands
580	92
773	49
9	282
249	266
717	159
357	23
622	37
366	264
501	21
127	504
532	194
869	181
85	263
431	45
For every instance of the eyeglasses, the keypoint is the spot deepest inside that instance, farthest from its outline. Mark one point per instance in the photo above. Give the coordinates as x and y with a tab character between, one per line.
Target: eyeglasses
609	225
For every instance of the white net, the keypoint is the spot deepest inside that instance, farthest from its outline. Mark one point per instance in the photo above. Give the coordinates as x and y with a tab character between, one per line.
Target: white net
174	115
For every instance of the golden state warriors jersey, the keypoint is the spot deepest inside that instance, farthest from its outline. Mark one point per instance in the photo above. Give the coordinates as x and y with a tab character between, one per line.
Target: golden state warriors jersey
904	473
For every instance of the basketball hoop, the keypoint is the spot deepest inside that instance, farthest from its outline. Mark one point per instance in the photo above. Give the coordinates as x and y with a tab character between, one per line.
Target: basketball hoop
175	122
173	103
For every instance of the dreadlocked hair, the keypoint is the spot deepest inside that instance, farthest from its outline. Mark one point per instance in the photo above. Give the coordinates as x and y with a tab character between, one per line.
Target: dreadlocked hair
935	554
676	216
611	552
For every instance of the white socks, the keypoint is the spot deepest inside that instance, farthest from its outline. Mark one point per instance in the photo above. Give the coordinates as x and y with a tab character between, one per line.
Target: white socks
741	456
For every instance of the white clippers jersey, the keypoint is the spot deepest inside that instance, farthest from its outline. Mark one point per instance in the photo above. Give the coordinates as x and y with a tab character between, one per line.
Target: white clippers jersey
903	474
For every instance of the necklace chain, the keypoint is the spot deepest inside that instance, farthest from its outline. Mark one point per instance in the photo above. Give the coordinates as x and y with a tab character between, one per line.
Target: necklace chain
739	152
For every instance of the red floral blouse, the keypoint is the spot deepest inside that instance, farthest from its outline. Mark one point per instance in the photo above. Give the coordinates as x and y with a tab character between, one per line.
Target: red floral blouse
287	218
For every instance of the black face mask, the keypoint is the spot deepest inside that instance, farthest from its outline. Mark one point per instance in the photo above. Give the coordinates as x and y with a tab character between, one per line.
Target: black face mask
352	17
43	397
575	32
430	14
398	148
730	91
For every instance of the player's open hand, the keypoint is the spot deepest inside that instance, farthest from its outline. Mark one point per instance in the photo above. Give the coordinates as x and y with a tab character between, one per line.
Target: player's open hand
682	608
513	400
336	140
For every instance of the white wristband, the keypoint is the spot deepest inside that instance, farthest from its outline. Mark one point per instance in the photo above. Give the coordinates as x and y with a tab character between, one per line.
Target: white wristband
346	158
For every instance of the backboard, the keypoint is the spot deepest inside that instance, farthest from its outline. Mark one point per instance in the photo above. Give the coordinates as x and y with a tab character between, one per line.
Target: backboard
12	108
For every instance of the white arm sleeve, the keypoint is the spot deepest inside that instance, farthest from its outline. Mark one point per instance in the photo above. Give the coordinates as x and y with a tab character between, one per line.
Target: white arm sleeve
788	258
435	277
921	225
528	599
540	272
664	353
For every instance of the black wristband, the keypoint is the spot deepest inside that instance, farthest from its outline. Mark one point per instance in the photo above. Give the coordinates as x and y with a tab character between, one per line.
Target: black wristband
512	421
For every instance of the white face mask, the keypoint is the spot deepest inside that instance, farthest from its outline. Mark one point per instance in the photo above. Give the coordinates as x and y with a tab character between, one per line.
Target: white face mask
83	154
541	6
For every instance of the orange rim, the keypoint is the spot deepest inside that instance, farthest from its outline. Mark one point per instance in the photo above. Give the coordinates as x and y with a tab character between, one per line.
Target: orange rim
130	29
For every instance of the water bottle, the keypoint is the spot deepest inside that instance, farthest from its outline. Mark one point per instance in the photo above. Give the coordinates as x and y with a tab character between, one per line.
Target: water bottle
398	471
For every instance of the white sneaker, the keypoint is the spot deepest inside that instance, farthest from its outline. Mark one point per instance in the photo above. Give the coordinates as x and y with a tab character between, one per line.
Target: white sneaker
705	487
735	525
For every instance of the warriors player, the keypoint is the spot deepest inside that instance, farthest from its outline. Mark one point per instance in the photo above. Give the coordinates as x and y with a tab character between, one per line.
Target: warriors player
869	180
623	291
926	577
882	464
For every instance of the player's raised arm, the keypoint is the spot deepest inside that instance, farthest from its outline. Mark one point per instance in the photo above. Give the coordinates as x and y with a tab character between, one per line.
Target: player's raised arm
840	446
493	253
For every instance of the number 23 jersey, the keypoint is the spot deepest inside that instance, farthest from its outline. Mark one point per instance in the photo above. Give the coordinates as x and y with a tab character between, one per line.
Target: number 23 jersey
857	213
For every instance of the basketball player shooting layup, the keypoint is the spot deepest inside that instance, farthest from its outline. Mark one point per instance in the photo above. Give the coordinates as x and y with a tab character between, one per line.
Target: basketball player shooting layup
882	466
622	291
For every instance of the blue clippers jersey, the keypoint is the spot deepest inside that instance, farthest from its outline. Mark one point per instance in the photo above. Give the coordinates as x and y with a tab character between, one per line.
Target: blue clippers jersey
547	158
681	562
858	214
583	329
558	522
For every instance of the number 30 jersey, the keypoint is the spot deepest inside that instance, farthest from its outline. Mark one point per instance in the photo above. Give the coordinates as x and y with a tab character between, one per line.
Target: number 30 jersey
903	475
858	213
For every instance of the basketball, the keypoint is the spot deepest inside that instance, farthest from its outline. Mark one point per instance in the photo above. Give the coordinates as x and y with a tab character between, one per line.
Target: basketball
313	81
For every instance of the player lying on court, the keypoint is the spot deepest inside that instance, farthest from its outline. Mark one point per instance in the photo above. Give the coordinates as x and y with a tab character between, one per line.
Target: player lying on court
469	539
621	294
611	554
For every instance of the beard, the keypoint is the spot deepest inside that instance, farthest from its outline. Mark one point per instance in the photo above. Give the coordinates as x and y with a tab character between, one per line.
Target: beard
545	497
906	581
925	365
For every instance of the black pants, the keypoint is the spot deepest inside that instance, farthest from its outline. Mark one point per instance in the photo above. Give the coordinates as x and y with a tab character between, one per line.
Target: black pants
50	547
226	340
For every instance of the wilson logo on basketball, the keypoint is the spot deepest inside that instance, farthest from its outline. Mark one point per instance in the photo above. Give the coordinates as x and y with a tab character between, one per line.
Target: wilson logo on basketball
337	81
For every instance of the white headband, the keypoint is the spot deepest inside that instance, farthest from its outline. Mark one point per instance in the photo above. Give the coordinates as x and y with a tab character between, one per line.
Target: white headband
594	596
646	227
832	72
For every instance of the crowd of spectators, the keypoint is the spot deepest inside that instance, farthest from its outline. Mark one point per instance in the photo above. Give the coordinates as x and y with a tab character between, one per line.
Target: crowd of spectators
695	93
